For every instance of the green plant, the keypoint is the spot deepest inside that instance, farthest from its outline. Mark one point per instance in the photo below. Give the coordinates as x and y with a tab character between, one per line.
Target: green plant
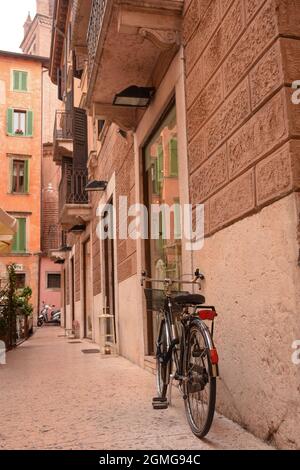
22	301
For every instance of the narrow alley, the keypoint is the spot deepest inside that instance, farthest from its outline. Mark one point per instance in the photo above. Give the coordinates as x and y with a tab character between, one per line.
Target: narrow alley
55	397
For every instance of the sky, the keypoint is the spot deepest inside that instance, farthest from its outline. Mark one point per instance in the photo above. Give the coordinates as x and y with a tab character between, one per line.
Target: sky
13	16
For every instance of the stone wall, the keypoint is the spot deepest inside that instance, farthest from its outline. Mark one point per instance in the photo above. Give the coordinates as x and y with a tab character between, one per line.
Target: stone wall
116	157
241	122
244	162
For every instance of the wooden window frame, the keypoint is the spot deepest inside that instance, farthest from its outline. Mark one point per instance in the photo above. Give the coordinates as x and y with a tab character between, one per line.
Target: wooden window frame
29	121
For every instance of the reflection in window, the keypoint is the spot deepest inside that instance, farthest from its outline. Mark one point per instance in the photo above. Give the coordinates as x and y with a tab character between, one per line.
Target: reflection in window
163	188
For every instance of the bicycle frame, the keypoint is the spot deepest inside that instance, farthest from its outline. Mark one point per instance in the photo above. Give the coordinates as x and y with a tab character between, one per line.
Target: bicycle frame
173	340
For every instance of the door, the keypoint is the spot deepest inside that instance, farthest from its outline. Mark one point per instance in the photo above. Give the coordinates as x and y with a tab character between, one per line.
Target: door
73	289
161	183
109	281
88	295
65	298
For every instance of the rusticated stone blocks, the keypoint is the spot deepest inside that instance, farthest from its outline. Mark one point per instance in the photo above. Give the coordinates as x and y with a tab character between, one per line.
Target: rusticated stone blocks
193	15
252	7
231	114
197	151
274	176
194	82
264	131
255	40
204	105
234	201
226	36
267	76
288	14
240	113
225	4
290	49
206	28
209	177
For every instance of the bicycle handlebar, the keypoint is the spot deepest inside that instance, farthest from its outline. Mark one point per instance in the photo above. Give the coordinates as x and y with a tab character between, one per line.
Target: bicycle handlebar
168	282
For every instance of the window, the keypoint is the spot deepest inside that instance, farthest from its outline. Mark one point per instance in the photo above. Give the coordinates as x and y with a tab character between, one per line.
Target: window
20	80
101	124
19	241
19	122
20	280
19	176
53	281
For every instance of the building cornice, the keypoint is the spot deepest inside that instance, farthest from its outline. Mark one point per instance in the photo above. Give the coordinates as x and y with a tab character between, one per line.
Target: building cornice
58	35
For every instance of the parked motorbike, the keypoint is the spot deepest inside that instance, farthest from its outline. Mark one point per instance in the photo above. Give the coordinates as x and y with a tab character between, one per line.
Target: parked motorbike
49	314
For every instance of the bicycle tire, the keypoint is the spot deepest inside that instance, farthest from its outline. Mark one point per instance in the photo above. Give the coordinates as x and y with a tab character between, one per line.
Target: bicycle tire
197	375
162	370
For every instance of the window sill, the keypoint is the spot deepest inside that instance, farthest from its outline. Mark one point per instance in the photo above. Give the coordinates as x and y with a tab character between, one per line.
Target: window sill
19	194
21	255
20	136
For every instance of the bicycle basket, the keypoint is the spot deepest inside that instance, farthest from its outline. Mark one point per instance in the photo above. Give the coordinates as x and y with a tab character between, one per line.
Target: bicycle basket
155	299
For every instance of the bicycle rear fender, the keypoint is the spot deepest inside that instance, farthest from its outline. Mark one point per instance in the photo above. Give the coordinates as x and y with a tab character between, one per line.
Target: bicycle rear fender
214	367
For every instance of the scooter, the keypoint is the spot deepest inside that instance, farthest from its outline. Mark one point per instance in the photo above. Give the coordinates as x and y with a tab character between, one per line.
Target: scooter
47	312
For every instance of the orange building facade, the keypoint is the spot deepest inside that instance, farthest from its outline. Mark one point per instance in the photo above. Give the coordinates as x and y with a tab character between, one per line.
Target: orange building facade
20	162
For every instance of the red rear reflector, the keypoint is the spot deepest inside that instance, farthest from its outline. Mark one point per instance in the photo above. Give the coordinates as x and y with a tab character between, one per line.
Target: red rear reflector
214	356
207	314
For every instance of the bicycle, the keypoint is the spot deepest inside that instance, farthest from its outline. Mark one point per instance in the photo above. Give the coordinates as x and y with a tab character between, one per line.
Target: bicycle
188	356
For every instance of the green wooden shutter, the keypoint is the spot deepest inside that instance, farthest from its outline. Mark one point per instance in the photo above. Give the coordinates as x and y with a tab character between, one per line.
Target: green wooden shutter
23	84
11	175
173	158
29	123
19	241
160	163
22	235
10	116
16	80
26	176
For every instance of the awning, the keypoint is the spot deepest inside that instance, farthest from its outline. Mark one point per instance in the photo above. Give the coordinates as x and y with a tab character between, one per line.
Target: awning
8	227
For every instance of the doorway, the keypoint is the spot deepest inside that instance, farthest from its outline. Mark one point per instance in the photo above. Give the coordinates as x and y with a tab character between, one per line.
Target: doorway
73	289
87	290
109	310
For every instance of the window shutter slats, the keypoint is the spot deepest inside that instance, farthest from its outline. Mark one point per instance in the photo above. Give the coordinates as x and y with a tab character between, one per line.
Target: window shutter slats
15	80
10	113
20	80
22	235
23	81
29	126
173	158
26	176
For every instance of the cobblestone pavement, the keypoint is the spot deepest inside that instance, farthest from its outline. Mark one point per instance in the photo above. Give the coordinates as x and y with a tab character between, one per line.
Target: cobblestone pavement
55	397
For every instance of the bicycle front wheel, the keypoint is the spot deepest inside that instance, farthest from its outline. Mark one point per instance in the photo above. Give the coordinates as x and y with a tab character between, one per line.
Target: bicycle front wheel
163	367
199	385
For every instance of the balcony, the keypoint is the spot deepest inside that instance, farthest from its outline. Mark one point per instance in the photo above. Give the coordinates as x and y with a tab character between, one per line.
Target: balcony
74	207
62	136
128	43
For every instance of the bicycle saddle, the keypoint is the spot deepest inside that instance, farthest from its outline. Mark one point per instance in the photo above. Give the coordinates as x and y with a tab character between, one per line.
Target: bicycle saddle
189	299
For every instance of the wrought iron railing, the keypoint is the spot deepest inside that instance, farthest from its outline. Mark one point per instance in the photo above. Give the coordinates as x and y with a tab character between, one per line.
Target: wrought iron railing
72	187
94	30
63	126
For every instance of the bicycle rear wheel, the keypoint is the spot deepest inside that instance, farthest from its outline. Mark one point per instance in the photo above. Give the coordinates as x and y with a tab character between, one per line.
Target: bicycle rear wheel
199	386
163	369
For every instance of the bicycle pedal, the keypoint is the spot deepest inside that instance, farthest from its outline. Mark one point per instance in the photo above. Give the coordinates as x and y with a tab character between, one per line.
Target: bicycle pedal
160	403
